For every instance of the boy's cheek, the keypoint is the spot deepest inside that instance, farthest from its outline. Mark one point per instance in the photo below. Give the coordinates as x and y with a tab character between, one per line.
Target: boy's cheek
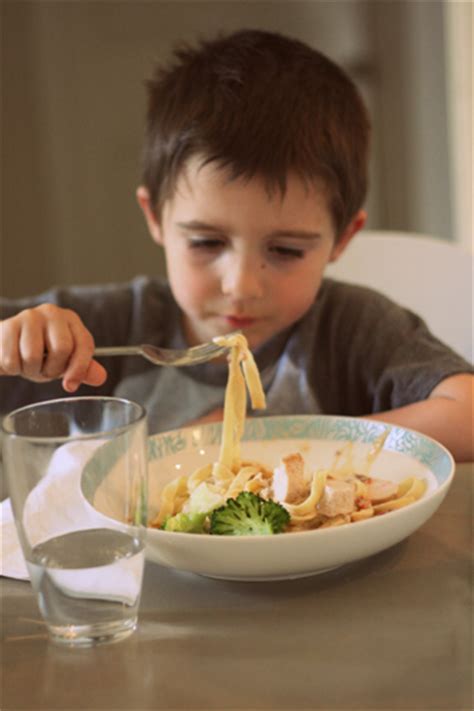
190	290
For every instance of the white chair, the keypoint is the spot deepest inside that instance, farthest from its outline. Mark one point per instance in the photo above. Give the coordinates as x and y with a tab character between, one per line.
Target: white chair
427	275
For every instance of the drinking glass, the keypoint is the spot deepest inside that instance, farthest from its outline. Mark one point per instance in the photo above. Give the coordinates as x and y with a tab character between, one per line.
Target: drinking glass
76	470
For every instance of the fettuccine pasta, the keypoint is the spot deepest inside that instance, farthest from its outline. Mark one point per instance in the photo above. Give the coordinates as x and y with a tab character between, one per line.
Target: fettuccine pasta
227	477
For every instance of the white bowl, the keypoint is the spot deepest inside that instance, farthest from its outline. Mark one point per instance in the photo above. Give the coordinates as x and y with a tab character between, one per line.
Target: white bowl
292	555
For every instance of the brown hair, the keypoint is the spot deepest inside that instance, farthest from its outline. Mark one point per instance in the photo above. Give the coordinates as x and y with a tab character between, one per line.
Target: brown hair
259	104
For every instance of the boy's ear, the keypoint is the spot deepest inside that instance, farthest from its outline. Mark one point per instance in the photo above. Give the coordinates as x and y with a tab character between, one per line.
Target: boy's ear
154	227
356	224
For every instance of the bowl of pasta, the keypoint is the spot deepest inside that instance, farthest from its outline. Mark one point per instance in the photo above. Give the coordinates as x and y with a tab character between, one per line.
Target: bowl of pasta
279	497
319	538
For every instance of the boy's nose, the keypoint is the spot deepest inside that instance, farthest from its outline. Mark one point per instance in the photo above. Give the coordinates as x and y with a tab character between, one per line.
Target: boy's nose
242	278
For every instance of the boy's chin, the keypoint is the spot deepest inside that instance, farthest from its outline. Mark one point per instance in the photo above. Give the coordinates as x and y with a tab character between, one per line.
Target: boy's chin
254	340
255	336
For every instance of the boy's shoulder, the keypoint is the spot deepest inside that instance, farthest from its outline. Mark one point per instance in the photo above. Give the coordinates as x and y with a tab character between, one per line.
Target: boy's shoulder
355	300
58	294
136	287
359	321
352	317
95	303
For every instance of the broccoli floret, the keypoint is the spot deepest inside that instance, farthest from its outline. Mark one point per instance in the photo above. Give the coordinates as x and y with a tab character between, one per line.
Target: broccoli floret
186	523
248	515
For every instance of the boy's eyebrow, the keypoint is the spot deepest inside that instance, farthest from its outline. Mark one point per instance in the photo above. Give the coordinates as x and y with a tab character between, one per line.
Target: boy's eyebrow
204	227
197	225
298	234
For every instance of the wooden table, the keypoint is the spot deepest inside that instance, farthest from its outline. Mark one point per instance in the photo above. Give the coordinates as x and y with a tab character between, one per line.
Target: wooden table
389	632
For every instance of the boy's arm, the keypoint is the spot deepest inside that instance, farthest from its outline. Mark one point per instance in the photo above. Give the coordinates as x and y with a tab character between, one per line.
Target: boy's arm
447	416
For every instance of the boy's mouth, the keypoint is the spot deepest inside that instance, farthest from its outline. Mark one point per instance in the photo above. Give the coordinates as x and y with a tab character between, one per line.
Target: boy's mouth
239	321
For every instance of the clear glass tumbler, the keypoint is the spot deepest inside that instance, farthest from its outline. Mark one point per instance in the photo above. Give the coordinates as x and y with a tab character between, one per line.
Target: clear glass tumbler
76	470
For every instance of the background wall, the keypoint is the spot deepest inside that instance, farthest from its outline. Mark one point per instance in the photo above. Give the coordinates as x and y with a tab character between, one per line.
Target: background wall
74	102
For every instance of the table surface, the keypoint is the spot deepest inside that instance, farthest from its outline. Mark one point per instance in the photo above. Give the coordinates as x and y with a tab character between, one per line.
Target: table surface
390	632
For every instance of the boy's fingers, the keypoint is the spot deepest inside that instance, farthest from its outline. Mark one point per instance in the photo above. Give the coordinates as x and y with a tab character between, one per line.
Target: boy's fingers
31	346
46	343
81	368
95	375
59	345
10	361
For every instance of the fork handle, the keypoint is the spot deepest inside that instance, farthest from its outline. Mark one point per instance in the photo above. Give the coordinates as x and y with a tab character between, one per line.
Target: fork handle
117	351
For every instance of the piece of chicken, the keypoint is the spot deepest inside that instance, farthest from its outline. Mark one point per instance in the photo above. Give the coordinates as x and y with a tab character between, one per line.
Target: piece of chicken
380	490
338	497
290	484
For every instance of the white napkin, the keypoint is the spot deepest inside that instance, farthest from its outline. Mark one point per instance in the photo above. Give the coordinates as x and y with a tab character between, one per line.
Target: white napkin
65	510
12	562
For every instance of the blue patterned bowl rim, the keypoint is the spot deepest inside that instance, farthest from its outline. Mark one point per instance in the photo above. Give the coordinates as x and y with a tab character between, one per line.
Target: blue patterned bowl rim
309	427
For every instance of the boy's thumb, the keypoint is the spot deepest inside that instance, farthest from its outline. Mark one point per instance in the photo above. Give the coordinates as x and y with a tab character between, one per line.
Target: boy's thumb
96	374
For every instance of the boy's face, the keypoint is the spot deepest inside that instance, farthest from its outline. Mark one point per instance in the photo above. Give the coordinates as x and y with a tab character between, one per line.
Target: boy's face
239	258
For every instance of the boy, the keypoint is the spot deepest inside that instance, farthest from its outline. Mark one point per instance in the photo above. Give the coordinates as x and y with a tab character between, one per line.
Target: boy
254	179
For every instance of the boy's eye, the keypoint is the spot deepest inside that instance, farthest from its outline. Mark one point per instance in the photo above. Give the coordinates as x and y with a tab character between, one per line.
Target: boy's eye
284	252
205	243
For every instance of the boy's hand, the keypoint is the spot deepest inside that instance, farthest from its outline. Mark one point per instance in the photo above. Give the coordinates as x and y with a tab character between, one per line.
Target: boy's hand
48	342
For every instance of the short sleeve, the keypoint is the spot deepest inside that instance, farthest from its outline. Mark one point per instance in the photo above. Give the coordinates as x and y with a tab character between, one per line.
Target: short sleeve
373	355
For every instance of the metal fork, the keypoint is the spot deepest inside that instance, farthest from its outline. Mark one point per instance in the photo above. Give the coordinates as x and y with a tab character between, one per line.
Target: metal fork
167	356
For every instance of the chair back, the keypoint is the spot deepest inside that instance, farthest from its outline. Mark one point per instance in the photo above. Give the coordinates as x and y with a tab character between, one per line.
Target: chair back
430	276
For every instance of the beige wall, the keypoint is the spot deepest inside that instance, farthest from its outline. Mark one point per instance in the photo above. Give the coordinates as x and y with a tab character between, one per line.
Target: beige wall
459	26
73	109
411	97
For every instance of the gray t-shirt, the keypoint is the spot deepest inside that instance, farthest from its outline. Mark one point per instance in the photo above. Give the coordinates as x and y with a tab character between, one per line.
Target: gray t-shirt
355	352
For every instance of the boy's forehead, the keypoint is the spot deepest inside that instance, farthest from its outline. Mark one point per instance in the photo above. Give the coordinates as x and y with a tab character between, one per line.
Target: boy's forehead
200	177
208	194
